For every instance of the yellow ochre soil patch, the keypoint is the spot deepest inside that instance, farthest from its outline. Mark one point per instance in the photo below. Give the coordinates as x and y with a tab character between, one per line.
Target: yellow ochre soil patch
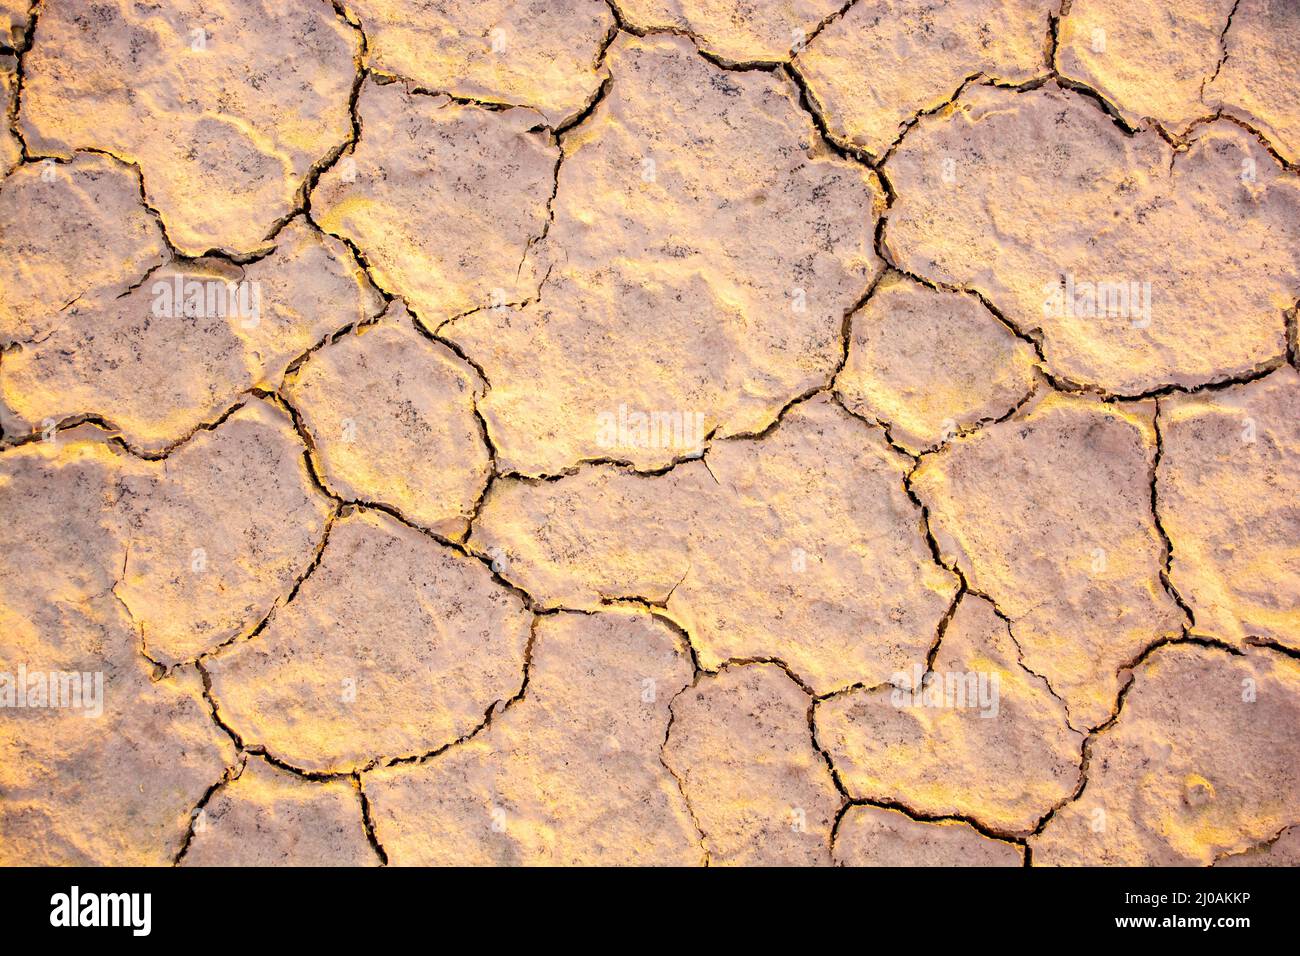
650	432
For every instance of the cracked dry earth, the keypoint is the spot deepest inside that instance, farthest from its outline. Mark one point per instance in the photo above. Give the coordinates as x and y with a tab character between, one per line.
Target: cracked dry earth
570	432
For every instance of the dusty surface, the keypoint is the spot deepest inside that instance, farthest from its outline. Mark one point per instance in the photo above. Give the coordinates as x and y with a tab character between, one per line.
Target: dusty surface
11	149
740	233
673	432
571	773
391	416
1229	491
1282	850
929	365
1049	514
543	54
1199	766
142	362
1005	761
217	534
763	795
73	232
396	645
791	546
880	64
1187	61
425	163
13	20
115	787
1258	80
872	836
271	817
1149	67
736	31
224	106
1093	205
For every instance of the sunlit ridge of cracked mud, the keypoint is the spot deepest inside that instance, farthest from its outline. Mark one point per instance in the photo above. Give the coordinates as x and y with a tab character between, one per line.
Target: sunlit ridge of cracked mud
632	432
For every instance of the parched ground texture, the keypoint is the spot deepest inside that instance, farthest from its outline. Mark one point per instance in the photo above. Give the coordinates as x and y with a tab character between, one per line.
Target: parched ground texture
669	432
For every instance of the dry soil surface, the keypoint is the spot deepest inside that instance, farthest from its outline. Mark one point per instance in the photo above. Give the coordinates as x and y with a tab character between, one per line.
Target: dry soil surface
688	432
